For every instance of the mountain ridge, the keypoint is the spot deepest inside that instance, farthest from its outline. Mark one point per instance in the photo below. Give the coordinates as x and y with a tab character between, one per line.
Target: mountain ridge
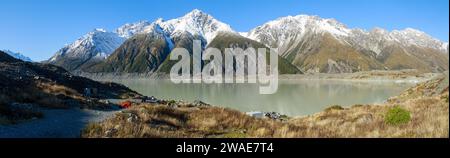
301	39
17	55
292	35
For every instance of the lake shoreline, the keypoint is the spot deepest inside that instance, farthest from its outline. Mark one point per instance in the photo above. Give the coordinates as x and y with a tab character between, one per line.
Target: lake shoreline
368	83
399	76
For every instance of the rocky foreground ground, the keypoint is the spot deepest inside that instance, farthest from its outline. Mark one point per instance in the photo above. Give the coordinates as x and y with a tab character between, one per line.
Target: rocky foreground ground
29	88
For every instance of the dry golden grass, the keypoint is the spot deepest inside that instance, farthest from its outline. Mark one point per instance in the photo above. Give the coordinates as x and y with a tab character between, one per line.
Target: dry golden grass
429	118
59	90
163	121
426	102
37	96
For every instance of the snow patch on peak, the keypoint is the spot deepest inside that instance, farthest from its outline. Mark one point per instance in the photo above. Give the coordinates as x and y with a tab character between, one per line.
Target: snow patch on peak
128	30
99	30
156	29
276	33
159	21
410	36
243	34
414	31
17	55
293	29
308	22
380	31
196	11
197	22
445	46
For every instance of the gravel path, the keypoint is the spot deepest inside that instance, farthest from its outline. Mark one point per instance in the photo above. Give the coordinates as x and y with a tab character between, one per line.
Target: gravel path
55	124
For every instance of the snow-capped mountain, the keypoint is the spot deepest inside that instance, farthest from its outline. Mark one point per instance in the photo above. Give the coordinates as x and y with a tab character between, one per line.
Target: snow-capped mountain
275	33
17	55
99	44
198	23
325	45
195	22
95	45
418	38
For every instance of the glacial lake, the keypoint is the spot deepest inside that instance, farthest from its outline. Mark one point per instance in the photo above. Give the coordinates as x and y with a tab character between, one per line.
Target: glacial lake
293	98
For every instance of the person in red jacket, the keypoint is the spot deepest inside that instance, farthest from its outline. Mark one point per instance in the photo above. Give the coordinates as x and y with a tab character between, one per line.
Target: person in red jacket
125	104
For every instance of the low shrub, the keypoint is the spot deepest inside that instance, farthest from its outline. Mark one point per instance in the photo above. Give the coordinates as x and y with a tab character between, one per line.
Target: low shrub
397	116
334	107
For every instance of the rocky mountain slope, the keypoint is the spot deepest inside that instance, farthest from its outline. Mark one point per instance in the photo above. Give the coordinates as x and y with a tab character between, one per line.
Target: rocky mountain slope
325	45
231	40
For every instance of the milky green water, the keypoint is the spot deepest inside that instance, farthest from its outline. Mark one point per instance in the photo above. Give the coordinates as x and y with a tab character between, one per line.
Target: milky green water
293	98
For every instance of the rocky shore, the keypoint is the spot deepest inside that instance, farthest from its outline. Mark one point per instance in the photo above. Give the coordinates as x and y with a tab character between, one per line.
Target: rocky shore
411	76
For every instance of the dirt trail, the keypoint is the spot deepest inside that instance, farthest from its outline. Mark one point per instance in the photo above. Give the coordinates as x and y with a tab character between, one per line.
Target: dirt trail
55	124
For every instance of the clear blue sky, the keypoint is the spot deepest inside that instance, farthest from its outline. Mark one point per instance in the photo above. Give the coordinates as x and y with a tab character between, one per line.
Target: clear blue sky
38	28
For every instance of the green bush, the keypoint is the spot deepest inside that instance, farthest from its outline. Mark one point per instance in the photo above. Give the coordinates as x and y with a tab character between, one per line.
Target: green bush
397	116
445	97
172	102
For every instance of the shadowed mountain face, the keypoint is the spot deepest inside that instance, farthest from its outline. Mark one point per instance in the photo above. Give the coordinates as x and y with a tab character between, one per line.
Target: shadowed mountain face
17	55
181	40
145	53
140	54
228	40
7	58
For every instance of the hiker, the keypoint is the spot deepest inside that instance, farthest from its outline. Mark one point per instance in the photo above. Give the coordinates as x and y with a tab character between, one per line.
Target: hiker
144	99
87	92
